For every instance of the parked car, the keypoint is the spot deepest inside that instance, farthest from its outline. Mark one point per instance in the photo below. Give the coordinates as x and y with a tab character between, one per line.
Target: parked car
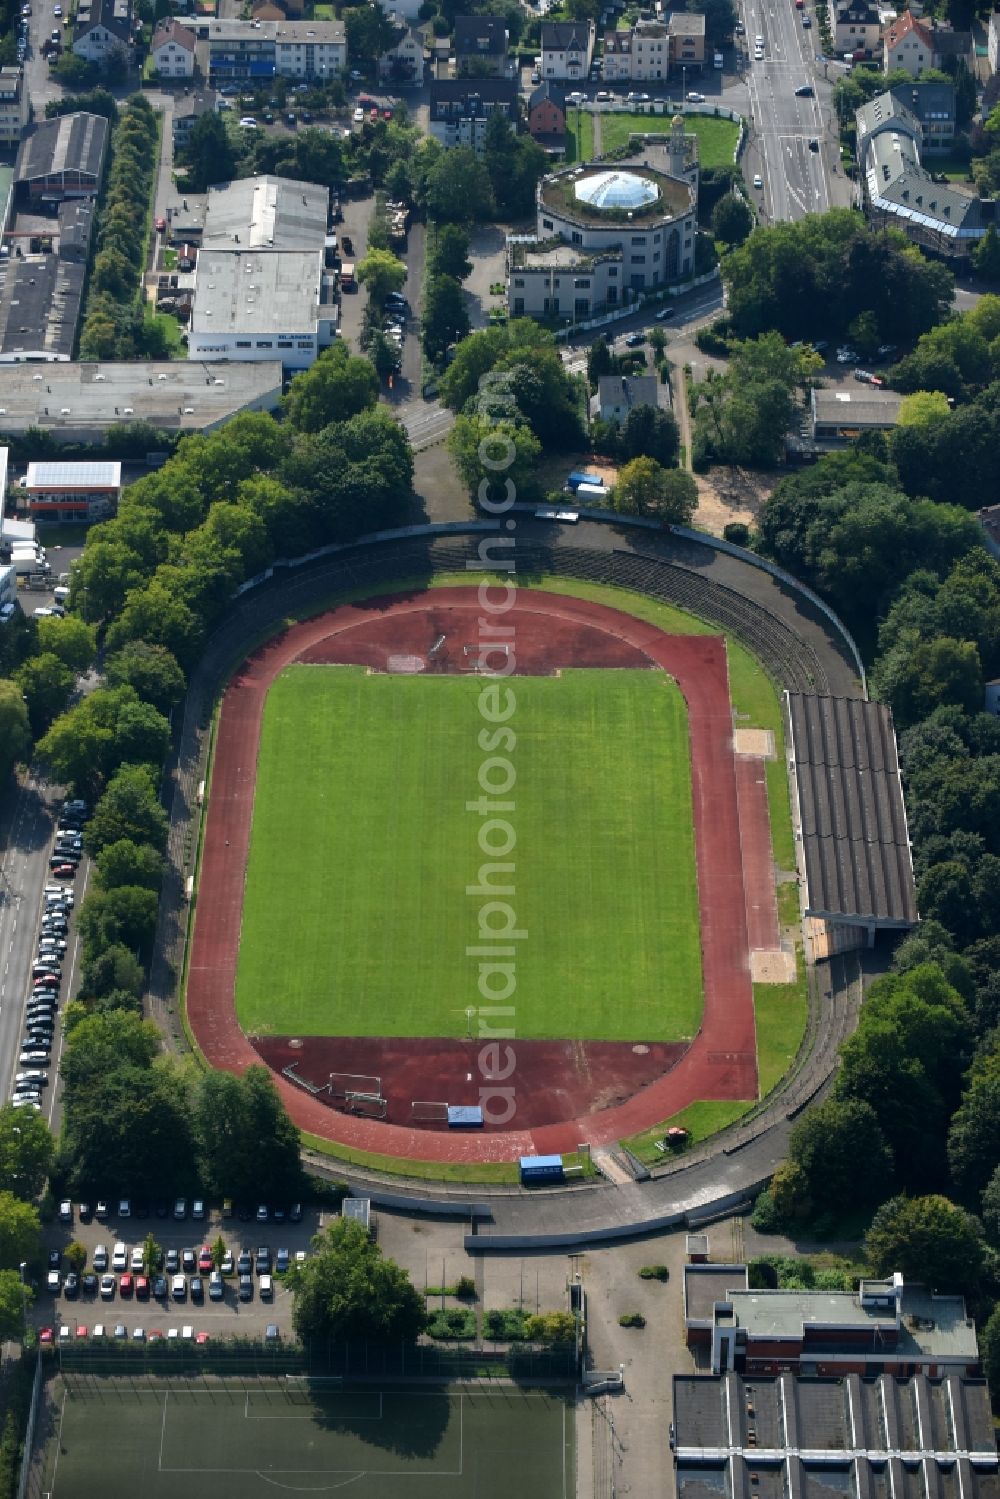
108	1287
178	1288
99	1259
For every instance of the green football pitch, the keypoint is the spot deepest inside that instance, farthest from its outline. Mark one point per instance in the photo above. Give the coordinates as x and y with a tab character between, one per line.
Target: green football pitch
218	1443
357	916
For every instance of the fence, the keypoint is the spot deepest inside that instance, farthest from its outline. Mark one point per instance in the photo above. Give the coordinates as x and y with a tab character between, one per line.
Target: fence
29	1430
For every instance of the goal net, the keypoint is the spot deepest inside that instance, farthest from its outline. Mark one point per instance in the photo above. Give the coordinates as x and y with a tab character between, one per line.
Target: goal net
422	1111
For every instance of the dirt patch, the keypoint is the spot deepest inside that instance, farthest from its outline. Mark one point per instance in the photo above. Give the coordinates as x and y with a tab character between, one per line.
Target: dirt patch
726	495
551	1080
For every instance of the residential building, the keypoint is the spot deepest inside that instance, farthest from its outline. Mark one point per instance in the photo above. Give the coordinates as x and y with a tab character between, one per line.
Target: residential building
254	51
989	520
481	47
840	416
79	402
567	49
77	492
187	110
172	49
266	213
403	63
604	237
638	54
907	43
884	1327
103	29
993	42
687	39
767	1437
262	305
856	26
547	114
933	104
62	158
15	108
461	107
617	395
899	192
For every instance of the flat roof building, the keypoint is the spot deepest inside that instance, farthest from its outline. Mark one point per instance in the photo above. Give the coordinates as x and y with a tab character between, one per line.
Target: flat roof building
267	304
840	416
62	158
76	492
253	51
79	402
40	299
266	213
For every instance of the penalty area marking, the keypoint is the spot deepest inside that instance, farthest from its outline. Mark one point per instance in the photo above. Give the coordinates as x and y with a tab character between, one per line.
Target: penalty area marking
331	1414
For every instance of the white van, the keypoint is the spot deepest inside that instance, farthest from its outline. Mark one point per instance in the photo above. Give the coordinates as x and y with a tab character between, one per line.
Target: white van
266	1288
718	61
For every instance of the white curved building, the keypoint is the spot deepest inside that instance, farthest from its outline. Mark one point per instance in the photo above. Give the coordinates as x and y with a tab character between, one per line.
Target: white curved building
606	234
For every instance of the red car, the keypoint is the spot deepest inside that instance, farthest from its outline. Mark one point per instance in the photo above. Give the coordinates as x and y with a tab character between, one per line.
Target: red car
65	871
142	1288
45	1337
126	1285
201	1338
81	1331
387	114
161	224
206	1264
374	113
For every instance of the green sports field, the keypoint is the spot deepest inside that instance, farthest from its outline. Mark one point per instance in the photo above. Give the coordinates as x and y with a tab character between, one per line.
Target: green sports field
356	912
121	1440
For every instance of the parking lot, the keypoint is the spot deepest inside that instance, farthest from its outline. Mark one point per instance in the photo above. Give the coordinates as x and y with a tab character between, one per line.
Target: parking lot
90	1307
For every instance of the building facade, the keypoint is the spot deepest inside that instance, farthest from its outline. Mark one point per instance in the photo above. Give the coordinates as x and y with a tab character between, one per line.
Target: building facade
403	63
481	47
547	112
262	305
567	50
62	158
460	108
605	237
73	492
254	51
856	26
14	107
103	29
172	50
907	43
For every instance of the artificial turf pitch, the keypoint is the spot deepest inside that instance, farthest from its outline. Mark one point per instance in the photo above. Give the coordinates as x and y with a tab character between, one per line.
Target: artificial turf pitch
356	914
230	1443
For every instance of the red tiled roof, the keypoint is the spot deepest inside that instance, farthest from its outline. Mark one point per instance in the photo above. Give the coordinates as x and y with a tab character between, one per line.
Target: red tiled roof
903	25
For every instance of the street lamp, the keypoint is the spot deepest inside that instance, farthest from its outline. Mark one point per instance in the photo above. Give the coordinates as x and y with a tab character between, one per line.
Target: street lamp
24	1296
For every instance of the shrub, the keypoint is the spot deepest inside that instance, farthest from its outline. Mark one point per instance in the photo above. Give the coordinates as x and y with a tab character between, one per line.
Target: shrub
631	1319
453	1324
465	1288
738	532
654	1272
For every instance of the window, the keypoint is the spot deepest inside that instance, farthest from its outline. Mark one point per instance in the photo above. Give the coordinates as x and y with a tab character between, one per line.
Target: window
612	272
582	283
243	343
518	306
638	260
546	223
519	281
265	343
577	237
638	239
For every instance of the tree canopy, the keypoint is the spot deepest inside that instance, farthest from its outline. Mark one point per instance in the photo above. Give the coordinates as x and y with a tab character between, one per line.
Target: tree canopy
348	1291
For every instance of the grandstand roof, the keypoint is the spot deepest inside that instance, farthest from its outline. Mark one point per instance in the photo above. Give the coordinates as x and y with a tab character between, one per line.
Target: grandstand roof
850	810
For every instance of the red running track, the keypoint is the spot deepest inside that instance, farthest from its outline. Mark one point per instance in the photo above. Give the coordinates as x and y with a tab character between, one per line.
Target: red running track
721	1061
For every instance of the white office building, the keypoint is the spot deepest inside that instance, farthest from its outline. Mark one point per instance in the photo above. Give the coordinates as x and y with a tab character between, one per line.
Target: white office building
262	305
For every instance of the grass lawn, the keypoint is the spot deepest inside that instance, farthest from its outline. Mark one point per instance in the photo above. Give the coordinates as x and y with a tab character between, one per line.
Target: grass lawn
953	167
62	536
701	1119
362	850
579	135
780	1011
716	137
171	329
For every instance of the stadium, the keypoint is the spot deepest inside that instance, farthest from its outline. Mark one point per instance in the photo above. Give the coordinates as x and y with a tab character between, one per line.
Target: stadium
491	871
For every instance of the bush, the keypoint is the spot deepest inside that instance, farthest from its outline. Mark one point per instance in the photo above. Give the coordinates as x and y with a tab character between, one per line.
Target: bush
504	1326
654	1272
737	532
765	1217
455	1323
631	1319
465	1288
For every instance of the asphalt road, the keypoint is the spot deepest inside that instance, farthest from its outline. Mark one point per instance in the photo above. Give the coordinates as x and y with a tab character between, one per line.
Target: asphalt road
795	178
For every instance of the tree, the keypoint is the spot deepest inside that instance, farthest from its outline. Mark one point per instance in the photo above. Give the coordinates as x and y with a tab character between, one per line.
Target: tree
382	272
643	487
70	639
348	1291
458	188
129	809
114	973
151	670
45	683
600	361
933	672
990	1214
732	220
842	1154
14	1297
473	437
370	33
650	432
337	386
208	155
15	730
152	1254
989	1349
128	863
75	1255
219	1251
20	1231
554	1328
986	255
923	406
25	1152
123	916
928	1239
445	316
247	1145
449	252
974	1138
